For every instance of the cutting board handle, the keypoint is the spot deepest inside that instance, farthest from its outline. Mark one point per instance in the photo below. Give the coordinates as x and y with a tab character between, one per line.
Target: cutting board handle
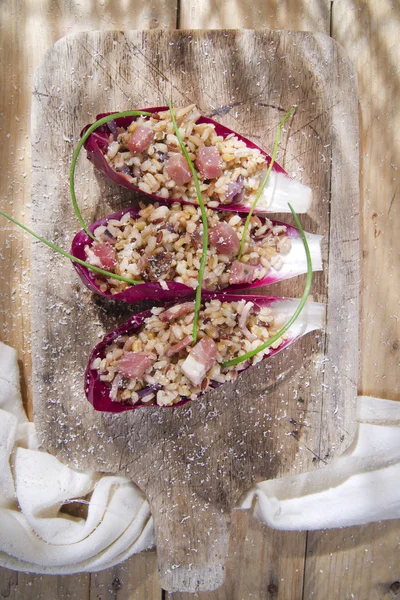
192	541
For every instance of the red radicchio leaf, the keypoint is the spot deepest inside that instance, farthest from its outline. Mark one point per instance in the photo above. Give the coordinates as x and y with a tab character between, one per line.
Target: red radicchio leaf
295	265
97	145
98	392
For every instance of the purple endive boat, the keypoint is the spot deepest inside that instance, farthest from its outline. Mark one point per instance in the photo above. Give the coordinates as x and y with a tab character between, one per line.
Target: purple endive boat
279	190
294	263
99	392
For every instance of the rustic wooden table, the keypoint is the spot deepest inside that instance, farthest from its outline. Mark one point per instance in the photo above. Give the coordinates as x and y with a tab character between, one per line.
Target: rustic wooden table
358	562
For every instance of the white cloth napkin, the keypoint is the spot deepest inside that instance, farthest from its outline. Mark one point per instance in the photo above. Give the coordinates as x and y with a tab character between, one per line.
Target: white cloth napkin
361	486
34	535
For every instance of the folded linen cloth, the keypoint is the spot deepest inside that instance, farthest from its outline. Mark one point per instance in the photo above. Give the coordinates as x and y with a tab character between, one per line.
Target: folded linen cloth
359	487
34	535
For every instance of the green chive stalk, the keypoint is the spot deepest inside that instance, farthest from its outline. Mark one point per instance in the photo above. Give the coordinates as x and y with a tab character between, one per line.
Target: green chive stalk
68	255
203	260
265	181
93	127
273	339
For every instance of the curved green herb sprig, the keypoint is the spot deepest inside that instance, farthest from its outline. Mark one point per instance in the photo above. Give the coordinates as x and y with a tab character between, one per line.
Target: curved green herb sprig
264	183
268	343
93	127
203	260
68	255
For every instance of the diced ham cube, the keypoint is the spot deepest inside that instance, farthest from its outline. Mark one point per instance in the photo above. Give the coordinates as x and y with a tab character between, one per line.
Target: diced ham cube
176	311
202	357
224	238
135	364
179	346
243	273
209	162
102	255
178	169
140	139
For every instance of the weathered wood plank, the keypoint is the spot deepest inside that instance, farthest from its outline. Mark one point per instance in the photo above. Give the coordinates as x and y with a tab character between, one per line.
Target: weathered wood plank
288	68
355	562
262	564
363	562
134	579
311	15
369	33
28	586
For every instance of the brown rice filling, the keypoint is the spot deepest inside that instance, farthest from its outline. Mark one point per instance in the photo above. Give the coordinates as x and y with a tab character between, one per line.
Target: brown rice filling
164	243
234	327
149	172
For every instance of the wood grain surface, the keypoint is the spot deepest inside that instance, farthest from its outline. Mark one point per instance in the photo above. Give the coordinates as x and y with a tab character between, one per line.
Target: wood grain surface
361	562
194	463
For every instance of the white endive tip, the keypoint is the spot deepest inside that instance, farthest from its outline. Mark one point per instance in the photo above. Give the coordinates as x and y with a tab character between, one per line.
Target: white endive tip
280	190
295	262
311	317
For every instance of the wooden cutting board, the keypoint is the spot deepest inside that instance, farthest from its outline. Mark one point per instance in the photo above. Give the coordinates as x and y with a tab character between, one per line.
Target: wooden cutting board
282	417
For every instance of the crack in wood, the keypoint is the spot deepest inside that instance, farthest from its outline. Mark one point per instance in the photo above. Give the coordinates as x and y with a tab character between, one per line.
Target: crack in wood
391	203
223	110
95	57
